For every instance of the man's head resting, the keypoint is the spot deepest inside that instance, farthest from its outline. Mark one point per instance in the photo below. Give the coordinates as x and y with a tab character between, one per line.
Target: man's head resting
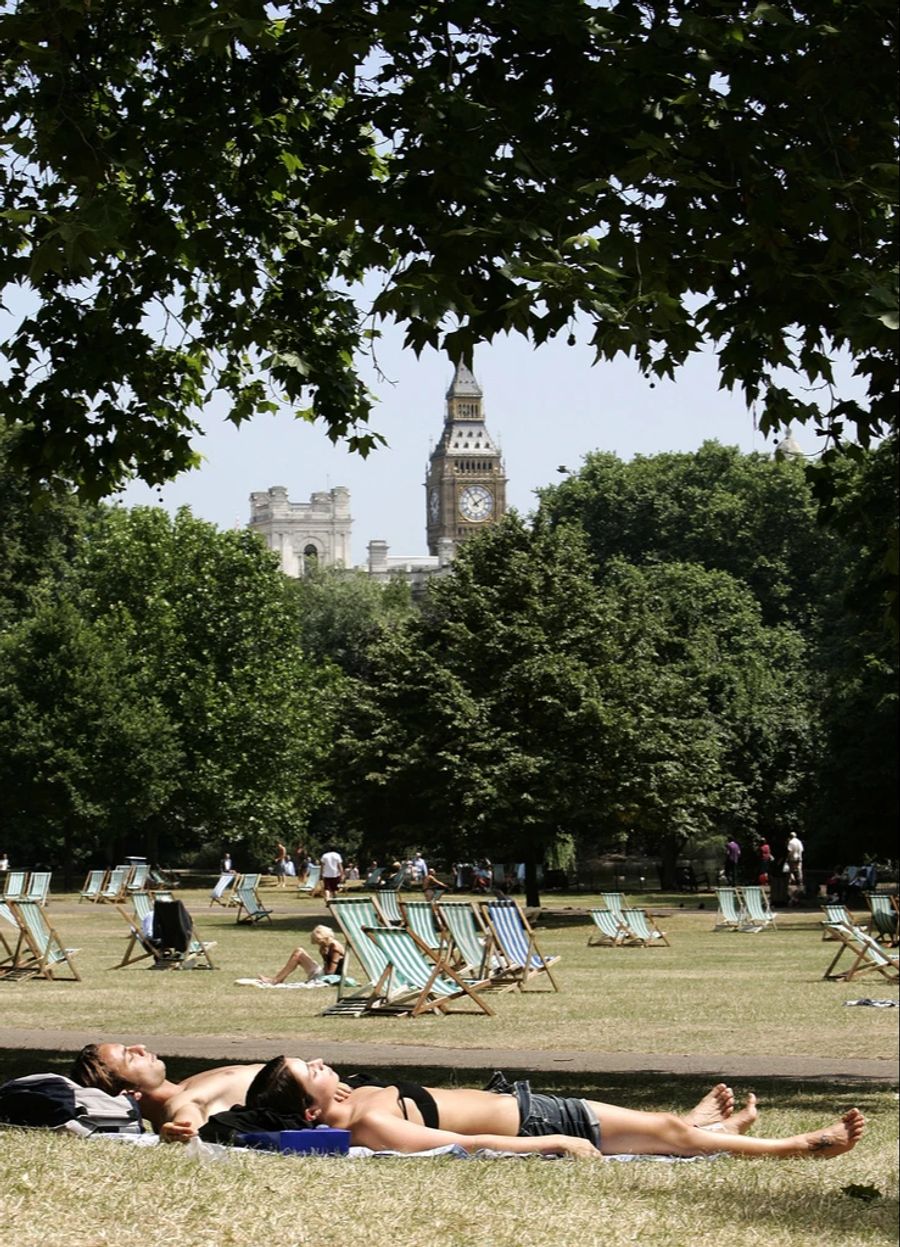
276	1088
89	1069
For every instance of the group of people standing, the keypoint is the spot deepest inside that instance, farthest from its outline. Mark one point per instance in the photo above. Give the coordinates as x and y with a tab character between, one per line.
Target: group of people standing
766	864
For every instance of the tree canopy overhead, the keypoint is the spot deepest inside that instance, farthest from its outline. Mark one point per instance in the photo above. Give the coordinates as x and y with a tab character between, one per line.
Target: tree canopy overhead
193	190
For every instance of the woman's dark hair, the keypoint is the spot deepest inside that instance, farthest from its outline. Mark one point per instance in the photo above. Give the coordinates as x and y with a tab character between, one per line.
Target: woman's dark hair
276	1088
90	1070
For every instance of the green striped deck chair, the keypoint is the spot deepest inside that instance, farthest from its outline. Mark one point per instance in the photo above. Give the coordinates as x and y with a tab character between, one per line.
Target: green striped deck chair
250	908
353	914
115	888
611	931
140	878
38	886
14	885
312	880
884	917
93	886
869	957
223	892
39	950
731	915
835	915
643	929
7	949
756	903
417	981
387	902
515	941
614	901
420	919
469	945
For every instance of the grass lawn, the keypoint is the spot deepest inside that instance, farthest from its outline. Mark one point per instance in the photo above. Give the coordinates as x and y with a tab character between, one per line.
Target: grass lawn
712	994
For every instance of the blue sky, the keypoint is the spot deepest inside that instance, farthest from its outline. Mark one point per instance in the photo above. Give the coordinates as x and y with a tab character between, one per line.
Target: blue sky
546	407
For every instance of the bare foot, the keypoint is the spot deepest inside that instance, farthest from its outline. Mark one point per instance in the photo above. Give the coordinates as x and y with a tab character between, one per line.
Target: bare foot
741	1121
836	1139
715	1107
263	978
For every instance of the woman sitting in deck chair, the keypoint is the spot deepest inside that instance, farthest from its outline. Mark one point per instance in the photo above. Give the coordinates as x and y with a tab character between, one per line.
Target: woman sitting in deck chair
510	1117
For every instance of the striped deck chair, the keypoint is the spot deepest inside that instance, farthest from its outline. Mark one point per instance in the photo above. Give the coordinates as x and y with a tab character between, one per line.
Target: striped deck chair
140	878
14	885
417	981
39	950
644	929
312	880
250	908
115	888
731	914
614	901
141	944
353	914
7	949
223	891
38	886
884	924
387	901
835	915
514	940
869	957
93	886
756	903
611	931
470	946
420	919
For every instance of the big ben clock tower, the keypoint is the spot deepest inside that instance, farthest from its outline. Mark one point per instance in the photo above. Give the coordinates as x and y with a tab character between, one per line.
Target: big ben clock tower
465	487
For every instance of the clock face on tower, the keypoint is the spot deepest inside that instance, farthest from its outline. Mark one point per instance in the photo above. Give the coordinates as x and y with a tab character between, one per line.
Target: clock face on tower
476	503
434	505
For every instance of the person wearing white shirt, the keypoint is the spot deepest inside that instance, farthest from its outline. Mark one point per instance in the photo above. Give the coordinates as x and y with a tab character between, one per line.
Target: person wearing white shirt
332	871
795	859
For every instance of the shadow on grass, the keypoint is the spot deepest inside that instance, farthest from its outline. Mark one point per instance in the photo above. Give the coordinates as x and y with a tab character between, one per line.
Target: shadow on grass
635	1090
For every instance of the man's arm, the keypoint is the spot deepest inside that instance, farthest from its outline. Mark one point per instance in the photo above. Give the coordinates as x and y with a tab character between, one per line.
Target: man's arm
184	1121
381	1132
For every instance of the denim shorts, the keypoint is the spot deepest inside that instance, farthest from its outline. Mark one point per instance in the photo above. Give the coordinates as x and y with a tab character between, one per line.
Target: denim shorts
541	1114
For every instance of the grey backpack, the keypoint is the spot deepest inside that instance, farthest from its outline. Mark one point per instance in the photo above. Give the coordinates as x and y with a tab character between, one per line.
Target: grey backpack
55	1102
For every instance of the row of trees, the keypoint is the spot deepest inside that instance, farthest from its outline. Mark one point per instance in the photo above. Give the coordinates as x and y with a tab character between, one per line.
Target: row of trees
670	650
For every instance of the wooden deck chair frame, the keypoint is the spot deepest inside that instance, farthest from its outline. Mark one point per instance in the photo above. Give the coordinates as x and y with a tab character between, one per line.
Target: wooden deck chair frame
39	950
756	903
731	914
514	935
610	931
426	983
195	958
884	918
352	914
115	889
470	945
250	908
644	929
869	957
94	883
420	918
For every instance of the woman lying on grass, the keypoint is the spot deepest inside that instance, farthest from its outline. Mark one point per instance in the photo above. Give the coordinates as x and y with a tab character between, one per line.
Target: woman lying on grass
509	1117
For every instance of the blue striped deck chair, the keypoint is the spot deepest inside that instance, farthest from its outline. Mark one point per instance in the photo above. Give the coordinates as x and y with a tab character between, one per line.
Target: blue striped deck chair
417	981
39	950
387	902
115	888
756	903
470	947
223	890
420	919
93	886
38	886
140	878
611	931
353	914
312	880
14	885
884	917
731	915
835	915
250	908
515	941
869	957
644	929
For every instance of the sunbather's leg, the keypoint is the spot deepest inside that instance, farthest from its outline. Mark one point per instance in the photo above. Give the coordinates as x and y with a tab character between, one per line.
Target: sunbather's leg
664	1134
299	958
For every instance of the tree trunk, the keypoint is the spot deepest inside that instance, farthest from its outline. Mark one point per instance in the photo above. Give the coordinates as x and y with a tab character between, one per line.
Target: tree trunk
532	894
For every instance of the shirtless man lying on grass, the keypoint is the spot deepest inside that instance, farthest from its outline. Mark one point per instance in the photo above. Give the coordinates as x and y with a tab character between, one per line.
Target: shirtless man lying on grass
404	1117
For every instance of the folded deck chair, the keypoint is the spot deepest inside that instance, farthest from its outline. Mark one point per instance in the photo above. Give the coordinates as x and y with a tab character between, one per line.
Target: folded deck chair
115	888
611	931
14	885
732	916
516	943
39	951
223	892
835	916
387	902
869	957
416	980
756	903
250	908
93	886
884	924
353	914
312	880
420	919
643	929
38	886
